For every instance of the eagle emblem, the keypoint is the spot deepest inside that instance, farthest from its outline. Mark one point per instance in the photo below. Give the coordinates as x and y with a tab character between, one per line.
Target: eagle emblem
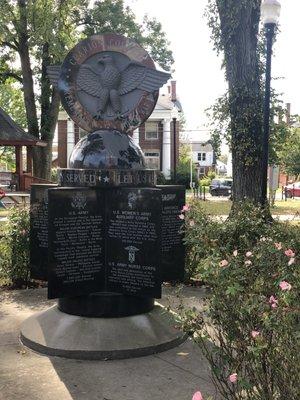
108	83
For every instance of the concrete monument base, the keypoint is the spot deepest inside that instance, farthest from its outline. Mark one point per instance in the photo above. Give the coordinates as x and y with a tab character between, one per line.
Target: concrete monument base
55	333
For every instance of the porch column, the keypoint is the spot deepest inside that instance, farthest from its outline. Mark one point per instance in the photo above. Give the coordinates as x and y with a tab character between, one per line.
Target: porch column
136	136
19	166
70	139
29	167
166	147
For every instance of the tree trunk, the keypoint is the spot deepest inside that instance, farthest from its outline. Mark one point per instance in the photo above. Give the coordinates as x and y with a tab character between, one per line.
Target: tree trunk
42	157
28	88
49	112
239	38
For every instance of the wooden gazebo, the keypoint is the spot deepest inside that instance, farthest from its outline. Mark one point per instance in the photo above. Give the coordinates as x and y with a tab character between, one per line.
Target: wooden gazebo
11	134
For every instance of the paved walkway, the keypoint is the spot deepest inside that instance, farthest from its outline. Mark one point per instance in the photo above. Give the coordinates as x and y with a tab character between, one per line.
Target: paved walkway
281	218
24	375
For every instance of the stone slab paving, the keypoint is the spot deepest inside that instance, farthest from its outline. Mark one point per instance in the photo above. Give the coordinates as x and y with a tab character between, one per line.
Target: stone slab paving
25	375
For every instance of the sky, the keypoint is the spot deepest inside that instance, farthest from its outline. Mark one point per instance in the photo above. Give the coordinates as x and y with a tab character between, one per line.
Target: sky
200	79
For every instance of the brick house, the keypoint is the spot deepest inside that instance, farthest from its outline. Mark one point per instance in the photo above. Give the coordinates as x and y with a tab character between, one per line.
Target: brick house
155	136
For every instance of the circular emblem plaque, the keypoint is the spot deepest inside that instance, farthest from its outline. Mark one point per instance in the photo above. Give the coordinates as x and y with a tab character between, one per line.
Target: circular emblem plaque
109	82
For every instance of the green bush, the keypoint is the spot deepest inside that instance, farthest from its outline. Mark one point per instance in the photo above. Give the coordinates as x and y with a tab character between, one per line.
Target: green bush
249	328
54	175
211	174
161	179
205	181
242	231
182	178
14	248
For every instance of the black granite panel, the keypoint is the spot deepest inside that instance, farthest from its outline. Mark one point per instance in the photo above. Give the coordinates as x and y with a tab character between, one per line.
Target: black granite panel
76	242
173	252
133	241
39	231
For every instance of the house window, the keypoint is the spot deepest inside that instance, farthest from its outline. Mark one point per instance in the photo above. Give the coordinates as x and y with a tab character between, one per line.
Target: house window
152	159
202	171
201	156
151	131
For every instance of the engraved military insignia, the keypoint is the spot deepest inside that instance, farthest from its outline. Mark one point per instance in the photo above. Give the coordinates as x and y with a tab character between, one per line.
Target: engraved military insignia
108	82
131	253
132	198
78	201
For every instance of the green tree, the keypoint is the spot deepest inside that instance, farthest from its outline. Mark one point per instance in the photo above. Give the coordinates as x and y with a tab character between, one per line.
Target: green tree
12	101
290	154
7	158
40	32
113	16
235	32
183	171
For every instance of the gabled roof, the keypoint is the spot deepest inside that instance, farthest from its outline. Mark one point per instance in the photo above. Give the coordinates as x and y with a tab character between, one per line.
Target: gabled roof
165	102
11	134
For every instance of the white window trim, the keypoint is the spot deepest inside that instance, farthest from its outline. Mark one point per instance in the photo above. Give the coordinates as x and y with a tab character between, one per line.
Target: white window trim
201	157
156	158
156	138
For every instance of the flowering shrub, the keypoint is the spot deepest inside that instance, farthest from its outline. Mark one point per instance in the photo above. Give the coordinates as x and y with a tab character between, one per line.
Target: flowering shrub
14	248
249	328
205	235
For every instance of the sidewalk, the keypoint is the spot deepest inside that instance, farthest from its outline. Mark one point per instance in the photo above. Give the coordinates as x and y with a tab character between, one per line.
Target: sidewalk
281	218
24	375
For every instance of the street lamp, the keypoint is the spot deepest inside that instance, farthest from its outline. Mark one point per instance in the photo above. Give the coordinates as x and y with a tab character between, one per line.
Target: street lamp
174	116
270	11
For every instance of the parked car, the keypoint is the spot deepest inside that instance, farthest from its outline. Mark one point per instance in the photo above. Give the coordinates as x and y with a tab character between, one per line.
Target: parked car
220	187
292	190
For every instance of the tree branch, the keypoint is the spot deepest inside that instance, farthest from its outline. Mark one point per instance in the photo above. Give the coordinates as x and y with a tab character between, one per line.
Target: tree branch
10	45
10	74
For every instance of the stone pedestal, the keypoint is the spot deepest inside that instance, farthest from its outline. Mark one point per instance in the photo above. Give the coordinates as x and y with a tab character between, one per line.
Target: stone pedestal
105	305
55	333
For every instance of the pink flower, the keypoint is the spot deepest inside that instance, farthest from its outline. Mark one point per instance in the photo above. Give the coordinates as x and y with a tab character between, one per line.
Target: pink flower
289	253
23	232
278	245
186	207
249	254
223	263
254	334
181	216
291	261
248	262
273	301
192	222
233	377
235	253
285	285
197	396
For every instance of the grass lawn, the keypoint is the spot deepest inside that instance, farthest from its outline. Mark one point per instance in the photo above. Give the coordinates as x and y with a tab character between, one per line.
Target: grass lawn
286	207
4	212
215	207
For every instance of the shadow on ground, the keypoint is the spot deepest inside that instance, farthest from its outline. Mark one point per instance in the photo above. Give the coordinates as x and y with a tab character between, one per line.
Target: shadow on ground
25	375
